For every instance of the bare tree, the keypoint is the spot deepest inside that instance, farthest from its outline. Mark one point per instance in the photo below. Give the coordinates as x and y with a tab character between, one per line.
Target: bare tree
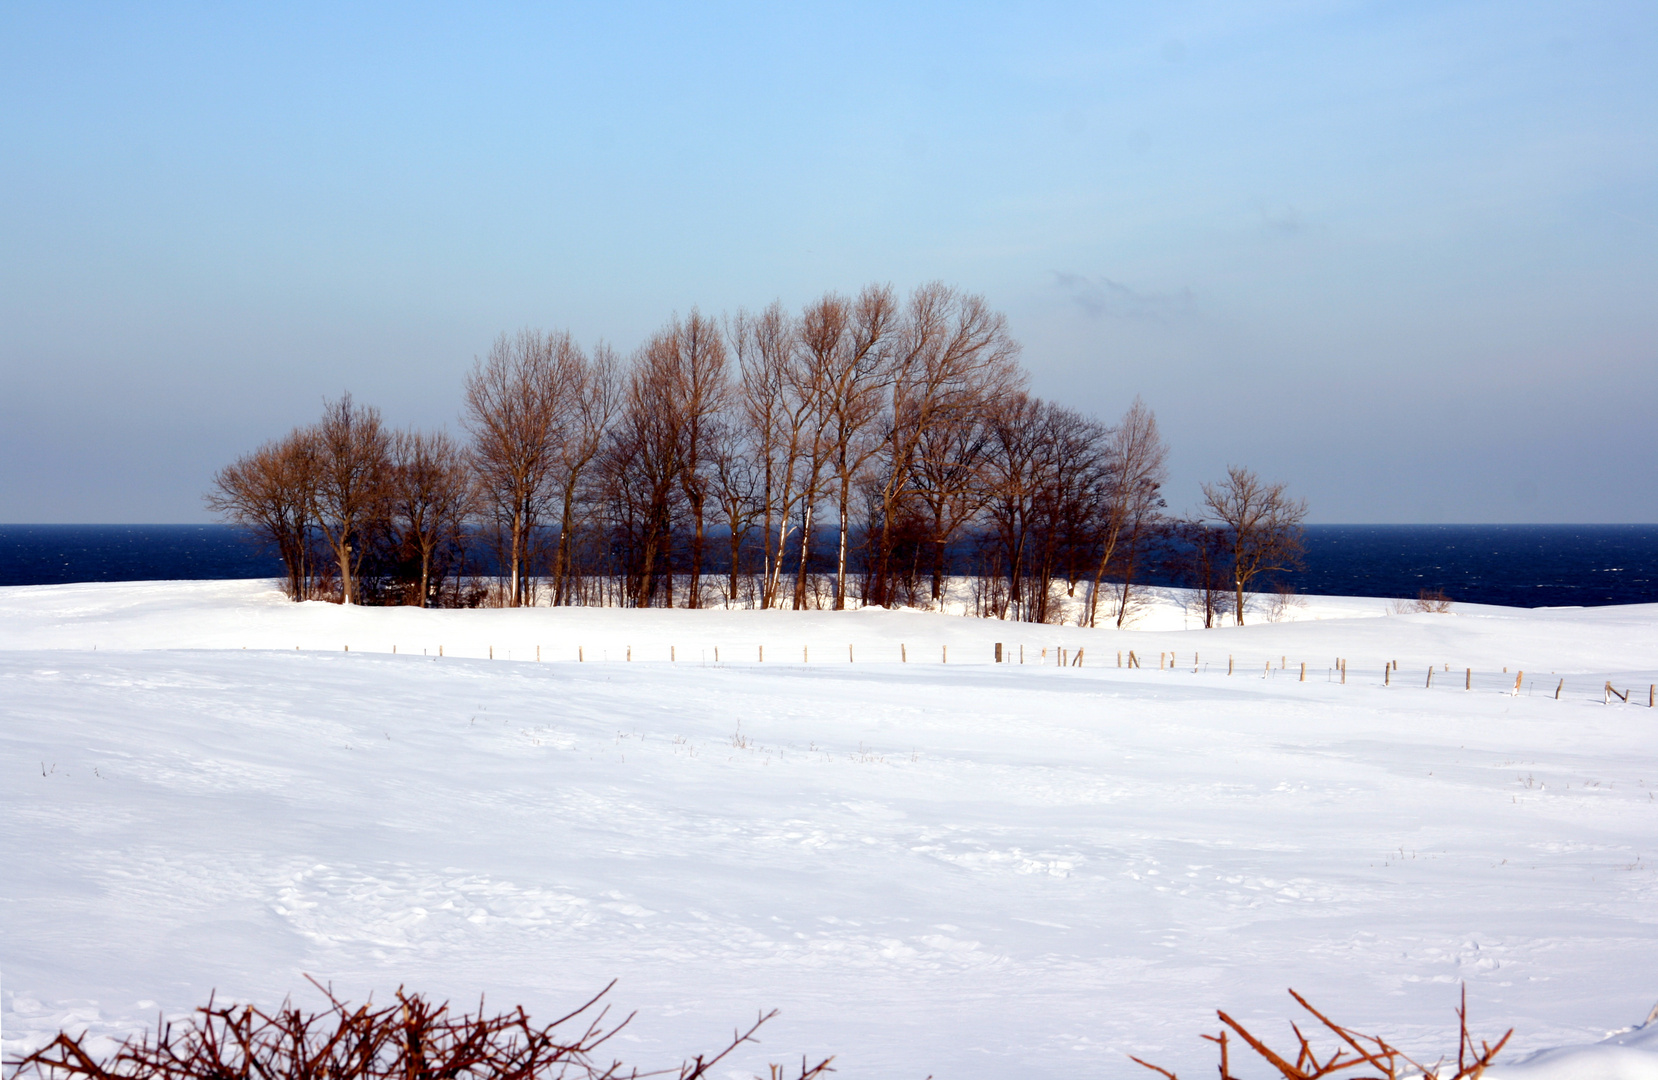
951	355
350	491
1012	464
431	496
594	397
643	466
1262	524
1138	466
270	492
848	344
774	403
701	385
951	479
513	404
1199	558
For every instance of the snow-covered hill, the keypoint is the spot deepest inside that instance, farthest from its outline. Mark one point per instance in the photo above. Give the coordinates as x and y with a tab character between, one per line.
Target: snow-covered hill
958	869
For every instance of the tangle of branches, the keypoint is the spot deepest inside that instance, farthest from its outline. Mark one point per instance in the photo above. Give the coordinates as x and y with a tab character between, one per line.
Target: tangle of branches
1370	1054
411	1039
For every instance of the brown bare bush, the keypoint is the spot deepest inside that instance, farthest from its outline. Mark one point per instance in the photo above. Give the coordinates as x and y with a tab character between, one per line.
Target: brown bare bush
413	1039
1352	1051
1434	601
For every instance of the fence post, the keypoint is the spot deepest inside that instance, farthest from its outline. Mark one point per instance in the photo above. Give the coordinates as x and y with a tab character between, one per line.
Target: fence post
998	652
581	656
1229	663
1468	679
1430	679
903	653
1387	675
1559	688
762	654
944	655
1303	671
848	653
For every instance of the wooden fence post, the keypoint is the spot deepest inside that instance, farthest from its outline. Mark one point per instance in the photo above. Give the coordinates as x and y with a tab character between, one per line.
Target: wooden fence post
903	653
944	656
1468	679
1387	675
1303	671
1430	679
1229	663
998	652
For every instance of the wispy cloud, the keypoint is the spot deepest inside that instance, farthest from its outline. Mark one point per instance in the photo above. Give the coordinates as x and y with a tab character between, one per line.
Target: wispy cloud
1101	297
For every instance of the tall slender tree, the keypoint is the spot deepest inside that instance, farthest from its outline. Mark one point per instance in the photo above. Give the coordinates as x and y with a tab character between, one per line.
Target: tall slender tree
351	487
512	409
431	495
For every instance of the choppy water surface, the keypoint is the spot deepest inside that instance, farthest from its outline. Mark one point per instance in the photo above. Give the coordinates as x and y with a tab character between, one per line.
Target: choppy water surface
1519	565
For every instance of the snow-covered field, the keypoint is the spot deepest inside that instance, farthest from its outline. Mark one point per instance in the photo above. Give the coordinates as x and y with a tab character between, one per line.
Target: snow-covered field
960	869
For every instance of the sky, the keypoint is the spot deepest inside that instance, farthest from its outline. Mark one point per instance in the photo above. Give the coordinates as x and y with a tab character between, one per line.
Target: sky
1400	256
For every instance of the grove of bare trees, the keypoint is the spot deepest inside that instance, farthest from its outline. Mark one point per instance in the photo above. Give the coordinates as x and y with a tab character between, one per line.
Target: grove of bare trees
860	452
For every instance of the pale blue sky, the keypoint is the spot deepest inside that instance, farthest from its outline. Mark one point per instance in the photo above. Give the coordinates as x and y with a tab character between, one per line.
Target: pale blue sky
1403	256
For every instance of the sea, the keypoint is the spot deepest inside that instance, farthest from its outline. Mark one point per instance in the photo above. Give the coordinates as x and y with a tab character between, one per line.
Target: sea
1513	565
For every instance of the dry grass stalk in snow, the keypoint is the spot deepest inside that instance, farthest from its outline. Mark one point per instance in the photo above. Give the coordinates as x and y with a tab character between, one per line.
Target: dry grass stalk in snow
1354	1051
410	1040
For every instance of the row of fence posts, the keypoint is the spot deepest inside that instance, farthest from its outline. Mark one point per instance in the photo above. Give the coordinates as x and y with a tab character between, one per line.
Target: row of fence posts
1165	660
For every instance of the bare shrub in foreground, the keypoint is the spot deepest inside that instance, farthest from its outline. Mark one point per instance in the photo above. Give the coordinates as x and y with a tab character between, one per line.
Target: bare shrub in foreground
413	1039
1353	1051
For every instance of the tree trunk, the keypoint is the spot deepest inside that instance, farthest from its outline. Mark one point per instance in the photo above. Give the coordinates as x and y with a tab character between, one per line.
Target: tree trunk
840	561
693	597
805	548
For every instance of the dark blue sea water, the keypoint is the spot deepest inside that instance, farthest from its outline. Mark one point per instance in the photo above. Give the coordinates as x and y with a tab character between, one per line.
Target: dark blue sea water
1518	565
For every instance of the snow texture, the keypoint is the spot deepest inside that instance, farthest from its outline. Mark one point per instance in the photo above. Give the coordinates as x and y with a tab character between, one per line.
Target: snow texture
954	868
